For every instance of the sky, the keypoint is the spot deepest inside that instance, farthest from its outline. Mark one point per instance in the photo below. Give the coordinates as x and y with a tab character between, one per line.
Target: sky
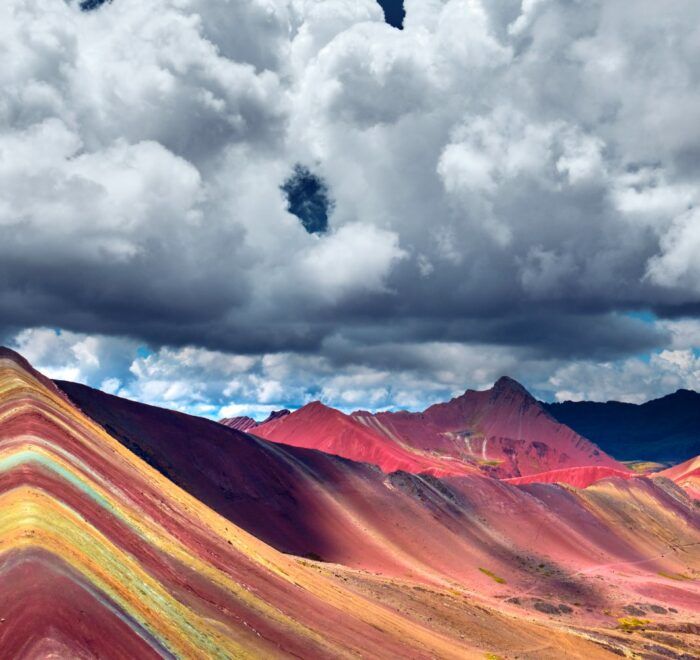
228	207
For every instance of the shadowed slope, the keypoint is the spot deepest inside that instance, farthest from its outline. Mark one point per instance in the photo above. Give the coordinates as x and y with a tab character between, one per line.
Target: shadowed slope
299	500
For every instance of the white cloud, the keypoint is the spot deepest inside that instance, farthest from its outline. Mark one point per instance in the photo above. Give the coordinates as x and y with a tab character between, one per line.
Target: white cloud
633	380
73	356
356	258
497	167
678	264
685	333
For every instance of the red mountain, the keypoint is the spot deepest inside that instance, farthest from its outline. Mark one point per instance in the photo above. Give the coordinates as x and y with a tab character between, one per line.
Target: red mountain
245	423
316	426
504	431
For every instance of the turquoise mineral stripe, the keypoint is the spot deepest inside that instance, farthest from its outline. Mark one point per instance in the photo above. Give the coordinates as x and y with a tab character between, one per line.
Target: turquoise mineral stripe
31	456
83	537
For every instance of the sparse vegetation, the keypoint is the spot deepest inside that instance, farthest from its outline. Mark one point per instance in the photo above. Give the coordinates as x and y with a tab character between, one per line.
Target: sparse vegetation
489	463
545	607
492	575
633	610
645	467
675	576
631	623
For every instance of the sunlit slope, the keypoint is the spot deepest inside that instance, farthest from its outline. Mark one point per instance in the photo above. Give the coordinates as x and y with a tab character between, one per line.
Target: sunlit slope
686	475
101	555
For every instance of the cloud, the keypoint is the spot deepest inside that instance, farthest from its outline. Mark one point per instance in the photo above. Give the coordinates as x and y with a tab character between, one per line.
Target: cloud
677	264
355	259
514	175
99	361
633	380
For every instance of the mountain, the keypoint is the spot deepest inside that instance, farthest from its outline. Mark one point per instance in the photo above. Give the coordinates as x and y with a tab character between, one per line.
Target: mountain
686	475
284	495
503	431
102	554
665	429
319	505
238	423
529	543
400	524
316	426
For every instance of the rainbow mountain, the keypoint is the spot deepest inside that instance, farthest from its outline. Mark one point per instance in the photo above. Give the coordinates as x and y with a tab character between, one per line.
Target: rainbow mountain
128	531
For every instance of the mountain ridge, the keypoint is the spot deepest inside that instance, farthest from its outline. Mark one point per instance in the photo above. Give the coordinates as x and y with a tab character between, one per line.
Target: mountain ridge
503	431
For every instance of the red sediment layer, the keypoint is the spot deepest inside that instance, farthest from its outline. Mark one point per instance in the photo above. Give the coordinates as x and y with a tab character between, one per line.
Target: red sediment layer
580	477
49	610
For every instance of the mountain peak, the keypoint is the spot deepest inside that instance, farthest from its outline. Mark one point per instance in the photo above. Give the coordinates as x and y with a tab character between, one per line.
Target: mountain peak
276	414
317	406
506	384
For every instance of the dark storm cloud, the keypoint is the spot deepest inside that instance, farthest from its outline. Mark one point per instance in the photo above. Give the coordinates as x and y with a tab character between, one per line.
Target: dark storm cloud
308	199
512	176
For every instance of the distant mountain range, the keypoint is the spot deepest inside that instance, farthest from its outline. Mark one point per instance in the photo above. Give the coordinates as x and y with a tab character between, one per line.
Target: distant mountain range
503	432
665	430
